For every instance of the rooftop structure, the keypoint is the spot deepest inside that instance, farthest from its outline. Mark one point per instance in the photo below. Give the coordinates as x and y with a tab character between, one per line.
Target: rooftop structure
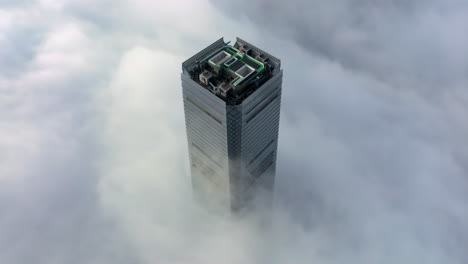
233	72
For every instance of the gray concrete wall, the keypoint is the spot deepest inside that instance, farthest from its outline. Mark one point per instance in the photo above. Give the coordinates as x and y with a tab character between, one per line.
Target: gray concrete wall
205	118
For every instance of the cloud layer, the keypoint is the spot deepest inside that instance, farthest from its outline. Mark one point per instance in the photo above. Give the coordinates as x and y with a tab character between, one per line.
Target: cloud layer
372	157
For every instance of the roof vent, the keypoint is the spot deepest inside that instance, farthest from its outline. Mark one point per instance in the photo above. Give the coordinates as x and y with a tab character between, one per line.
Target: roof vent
205	77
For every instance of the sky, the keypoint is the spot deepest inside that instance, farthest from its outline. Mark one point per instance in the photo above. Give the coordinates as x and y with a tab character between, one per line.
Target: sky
373	154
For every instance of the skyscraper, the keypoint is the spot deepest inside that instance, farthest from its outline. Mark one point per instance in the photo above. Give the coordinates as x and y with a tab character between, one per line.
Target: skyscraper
232	96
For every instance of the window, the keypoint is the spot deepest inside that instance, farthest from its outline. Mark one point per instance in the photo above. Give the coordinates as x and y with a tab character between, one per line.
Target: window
203	110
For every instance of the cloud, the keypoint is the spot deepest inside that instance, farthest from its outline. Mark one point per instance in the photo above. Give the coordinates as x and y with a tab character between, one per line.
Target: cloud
372	158
48	175
369	145
400	42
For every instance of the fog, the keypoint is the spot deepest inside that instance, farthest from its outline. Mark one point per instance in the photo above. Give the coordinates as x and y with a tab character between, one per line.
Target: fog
372	158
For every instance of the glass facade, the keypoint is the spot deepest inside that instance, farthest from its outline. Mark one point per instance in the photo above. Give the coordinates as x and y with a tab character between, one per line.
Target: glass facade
232	98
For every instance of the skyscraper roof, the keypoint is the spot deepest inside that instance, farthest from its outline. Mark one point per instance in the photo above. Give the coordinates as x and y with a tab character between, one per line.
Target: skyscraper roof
232	72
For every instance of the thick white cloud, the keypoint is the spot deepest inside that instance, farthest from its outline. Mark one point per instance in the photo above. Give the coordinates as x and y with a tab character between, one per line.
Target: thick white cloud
93	157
